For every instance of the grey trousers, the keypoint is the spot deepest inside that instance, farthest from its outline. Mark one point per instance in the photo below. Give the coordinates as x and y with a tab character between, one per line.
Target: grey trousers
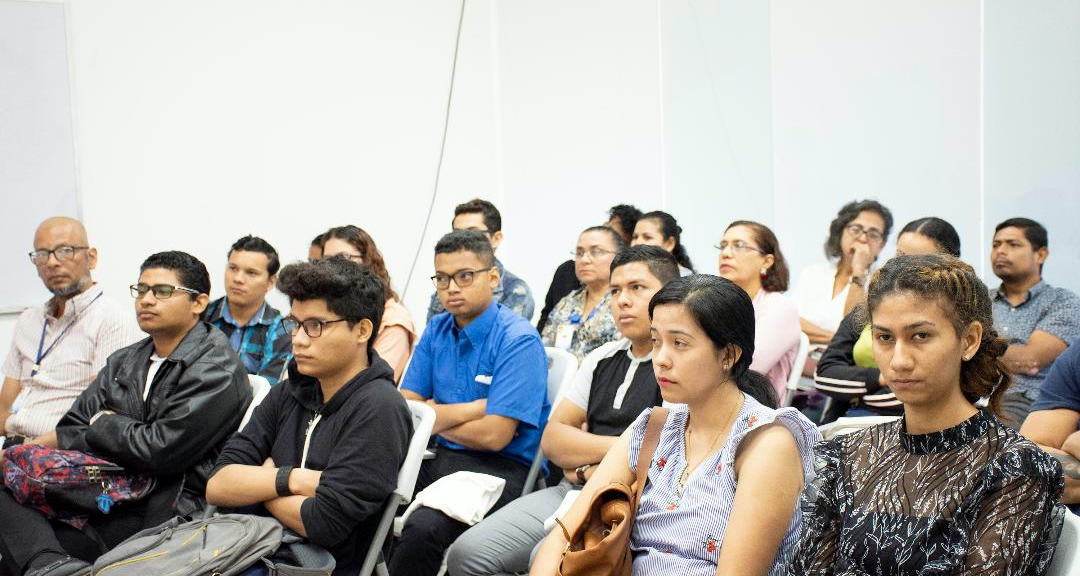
503	543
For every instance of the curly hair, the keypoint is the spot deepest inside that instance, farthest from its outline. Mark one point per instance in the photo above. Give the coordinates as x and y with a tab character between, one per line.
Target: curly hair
351	290
849	212
776	277
365	244
965	299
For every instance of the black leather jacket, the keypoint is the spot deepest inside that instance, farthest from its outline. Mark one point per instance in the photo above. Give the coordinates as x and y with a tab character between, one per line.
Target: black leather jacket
197	399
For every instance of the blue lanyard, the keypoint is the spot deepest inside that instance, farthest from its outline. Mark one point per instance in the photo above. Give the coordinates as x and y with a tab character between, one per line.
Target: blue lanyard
41	343
575	318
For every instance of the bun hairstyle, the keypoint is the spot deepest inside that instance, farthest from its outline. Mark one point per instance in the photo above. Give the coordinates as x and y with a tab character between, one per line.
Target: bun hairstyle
670	229
965	299
725	313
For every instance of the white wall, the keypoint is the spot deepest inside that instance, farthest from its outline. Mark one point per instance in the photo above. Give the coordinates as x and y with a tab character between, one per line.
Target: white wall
201	121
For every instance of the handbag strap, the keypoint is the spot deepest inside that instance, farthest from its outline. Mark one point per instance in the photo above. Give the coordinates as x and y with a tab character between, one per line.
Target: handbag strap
648	447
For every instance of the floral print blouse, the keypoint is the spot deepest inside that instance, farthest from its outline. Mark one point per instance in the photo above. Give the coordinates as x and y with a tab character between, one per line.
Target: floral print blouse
593	329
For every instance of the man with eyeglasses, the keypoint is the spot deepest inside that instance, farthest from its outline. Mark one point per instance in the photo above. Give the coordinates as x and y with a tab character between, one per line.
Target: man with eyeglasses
512	292
483	368
322	452
243	314
163	406
60	346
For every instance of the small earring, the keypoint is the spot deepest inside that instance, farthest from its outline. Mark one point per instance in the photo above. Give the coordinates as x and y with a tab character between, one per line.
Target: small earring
763	272
727	366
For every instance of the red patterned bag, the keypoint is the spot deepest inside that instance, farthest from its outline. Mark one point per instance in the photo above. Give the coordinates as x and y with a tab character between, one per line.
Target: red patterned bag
67	484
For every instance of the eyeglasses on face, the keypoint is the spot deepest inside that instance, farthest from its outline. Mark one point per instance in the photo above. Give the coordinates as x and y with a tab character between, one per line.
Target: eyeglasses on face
63	254
462	278
313	327
595	253
738	247
872	234
161	291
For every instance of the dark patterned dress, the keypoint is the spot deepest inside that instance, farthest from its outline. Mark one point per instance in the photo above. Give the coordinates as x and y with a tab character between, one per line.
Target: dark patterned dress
973	499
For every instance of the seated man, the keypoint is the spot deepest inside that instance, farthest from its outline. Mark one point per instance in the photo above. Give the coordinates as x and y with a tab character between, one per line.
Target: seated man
615	383
322	451
59	347
512	292
243	314
1054	421
483	368
163	407
1038	320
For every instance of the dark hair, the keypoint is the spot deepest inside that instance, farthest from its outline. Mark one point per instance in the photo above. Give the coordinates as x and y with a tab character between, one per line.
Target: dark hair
365	244
941	232
189	270
725	313
251	243
660	262
965	299
617	238
777	276
670	229
627	215
318	240
351	290
492	218
849	212
1033	231
469	241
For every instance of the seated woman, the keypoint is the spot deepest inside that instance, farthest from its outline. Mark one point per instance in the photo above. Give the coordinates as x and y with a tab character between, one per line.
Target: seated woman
750	257
847	372
582	320
720	497
660	229
948	486
397	335
827	292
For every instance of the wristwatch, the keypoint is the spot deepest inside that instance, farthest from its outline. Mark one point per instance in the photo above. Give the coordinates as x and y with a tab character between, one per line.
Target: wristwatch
281	483
581	472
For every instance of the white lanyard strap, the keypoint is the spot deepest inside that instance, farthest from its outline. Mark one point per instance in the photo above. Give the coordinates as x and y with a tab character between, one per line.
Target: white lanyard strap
307	438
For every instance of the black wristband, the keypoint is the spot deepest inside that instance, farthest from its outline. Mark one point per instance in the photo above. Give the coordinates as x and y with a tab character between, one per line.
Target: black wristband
282	482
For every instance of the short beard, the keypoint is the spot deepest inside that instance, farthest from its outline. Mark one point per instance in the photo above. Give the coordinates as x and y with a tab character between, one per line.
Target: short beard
73	289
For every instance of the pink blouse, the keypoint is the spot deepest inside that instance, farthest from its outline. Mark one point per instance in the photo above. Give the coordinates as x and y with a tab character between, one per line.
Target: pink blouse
397	337
776	340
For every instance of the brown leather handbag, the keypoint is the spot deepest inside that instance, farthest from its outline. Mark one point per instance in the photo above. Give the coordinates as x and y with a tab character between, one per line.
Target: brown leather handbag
600	546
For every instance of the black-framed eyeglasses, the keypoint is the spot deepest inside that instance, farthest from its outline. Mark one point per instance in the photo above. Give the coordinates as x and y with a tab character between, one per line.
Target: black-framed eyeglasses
161	291
595	253
313	327
63	254
738	247
871	233
462	278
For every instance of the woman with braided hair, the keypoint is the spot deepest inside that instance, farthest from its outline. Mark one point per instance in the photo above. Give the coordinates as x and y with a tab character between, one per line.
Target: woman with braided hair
948	488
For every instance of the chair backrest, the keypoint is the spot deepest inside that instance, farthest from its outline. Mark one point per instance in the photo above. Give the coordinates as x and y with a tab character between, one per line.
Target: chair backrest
1067	556
423	421
800	361
260	387
561	368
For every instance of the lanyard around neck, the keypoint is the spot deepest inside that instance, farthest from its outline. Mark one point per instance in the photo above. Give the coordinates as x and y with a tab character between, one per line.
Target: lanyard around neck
42	352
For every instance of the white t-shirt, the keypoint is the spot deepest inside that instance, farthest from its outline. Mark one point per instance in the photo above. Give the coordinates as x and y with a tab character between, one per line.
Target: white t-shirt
813	295
155	365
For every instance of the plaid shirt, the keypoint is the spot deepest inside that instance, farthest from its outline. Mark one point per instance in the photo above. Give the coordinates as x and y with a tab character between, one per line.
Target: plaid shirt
1050	309
263	345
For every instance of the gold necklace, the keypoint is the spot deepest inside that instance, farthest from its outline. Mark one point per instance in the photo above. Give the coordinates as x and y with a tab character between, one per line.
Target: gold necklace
685	477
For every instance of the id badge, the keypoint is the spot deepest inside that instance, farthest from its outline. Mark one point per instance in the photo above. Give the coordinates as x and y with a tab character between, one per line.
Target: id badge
564	336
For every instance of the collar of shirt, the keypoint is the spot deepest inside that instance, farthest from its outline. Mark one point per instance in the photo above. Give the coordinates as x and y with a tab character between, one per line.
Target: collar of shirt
634	359
478	329
1034	291
77	303
258	318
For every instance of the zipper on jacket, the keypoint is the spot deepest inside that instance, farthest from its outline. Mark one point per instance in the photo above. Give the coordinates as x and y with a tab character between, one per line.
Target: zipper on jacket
312	423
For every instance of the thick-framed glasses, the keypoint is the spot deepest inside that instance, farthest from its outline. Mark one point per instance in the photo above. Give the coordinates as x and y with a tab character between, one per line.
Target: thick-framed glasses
161	291
871	234
738	247
313	327
63	254
462	278
595	253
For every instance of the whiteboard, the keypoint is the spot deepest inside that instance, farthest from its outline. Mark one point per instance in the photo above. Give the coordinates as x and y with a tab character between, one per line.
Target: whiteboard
37	158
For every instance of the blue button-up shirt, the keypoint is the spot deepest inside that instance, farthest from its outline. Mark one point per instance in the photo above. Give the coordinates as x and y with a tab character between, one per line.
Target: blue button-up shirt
1052	310
498	356
263	345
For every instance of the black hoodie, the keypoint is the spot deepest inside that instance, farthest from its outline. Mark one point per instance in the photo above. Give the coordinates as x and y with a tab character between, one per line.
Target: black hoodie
359	443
